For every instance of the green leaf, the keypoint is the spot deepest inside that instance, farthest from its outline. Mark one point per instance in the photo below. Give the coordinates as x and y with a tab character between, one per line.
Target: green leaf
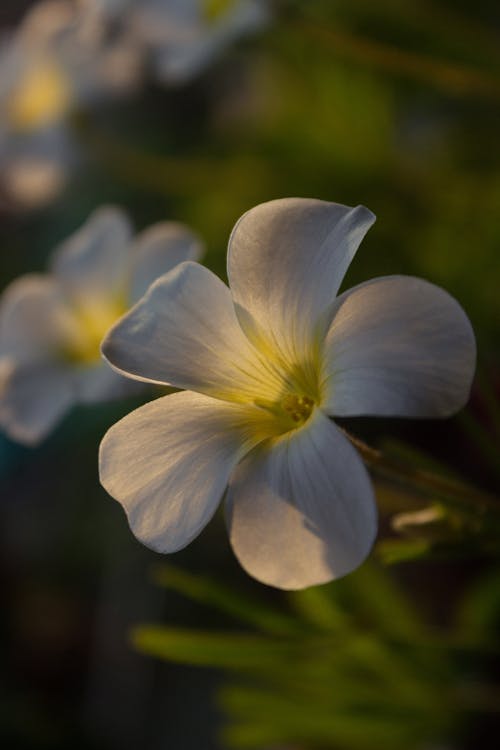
478	618
206	591
392	551
263	717
224	650
375	595
317	607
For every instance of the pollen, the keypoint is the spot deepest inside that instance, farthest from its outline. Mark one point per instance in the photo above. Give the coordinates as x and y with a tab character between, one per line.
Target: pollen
297	407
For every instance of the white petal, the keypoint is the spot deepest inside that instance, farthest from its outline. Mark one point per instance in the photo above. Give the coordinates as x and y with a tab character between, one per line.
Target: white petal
286	261
33	181
168	464
99	383
184	332
34	321
33	399
7	367
159	249
398	346
43	21
93	263
176	63
191	42
302	511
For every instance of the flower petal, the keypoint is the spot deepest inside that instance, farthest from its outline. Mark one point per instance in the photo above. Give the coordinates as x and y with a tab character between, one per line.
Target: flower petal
184	332
398	346
286	261
33	399
301	511
34	321
99	382
92	264
189	42
168	464
33	181
159	249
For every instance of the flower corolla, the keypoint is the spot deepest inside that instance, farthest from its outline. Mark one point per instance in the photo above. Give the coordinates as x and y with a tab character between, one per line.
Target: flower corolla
53	63
51	325
266	363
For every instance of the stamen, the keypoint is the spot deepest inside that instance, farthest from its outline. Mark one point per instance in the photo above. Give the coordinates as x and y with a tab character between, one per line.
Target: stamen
297	407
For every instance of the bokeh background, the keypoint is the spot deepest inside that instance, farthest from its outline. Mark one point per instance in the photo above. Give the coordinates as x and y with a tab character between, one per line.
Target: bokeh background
393	105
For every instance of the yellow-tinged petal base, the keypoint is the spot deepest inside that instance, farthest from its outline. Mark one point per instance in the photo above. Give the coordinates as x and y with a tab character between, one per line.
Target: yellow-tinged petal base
90	325
261	426
272	420
214	9
42	97
285	394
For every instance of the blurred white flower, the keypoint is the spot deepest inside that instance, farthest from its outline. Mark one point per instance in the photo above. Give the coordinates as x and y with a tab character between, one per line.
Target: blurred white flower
183	36
53	63
266	362
51	325
186	35
34	167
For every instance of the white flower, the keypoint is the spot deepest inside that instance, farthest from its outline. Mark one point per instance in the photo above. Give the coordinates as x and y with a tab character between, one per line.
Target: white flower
266	362
53	63
51	325
184	36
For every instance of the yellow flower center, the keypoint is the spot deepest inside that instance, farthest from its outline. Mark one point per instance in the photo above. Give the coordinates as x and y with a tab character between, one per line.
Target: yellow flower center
90	325
214	9
279	393
277	418
41	98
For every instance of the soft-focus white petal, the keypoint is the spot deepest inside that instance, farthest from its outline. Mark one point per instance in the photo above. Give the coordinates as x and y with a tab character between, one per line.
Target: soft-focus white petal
302	511
184	332
168	464
191	43
33	181
99	382
159	249
43	21
34	170
33	399
398	346
286	261
34	321
7	366
176	62
92	264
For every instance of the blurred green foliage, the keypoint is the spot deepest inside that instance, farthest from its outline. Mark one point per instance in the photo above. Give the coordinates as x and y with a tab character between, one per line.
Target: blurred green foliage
354	664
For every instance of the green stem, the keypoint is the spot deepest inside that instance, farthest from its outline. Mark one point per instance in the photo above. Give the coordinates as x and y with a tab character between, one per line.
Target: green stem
456	495
482	439
455	79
